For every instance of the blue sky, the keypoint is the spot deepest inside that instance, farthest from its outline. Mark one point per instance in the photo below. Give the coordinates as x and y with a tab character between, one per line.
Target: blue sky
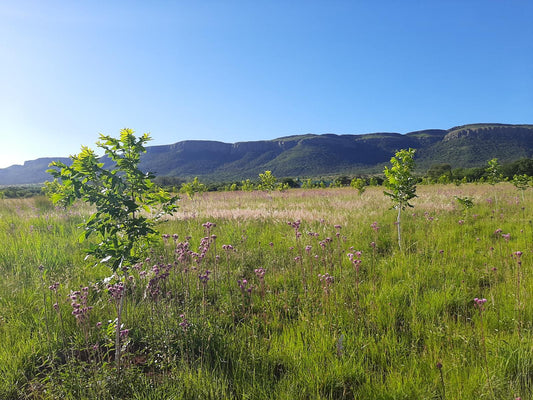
232	70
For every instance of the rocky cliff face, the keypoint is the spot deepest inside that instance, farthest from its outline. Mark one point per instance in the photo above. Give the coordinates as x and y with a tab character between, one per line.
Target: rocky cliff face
262	146
518	133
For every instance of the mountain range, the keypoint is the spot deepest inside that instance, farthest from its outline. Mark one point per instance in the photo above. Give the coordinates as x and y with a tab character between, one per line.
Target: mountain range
316	155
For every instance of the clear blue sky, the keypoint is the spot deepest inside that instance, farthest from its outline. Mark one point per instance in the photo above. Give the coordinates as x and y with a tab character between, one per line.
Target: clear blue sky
232	70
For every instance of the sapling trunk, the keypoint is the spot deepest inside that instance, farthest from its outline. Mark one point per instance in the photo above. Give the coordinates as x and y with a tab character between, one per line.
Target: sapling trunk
399	228
117	333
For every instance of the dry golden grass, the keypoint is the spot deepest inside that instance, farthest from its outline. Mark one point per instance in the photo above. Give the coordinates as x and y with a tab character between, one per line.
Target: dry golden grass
340	204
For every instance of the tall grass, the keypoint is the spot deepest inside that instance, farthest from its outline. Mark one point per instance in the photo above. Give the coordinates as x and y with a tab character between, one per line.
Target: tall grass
276	302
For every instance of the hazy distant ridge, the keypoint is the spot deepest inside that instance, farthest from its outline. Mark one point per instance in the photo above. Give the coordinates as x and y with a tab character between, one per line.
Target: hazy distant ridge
312	155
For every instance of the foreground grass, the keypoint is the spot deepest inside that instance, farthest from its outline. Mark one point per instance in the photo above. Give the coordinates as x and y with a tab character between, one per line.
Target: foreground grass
314	323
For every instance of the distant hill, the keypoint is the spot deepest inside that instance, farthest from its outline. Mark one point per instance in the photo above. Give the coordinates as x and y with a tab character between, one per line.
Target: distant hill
31	172
314	155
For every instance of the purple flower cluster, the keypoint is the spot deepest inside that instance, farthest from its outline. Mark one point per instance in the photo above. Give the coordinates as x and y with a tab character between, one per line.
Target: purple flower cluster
245	286
326	279
184	323
499	232
325	242
260	273
227	247
116	291
479	303
78	302
296	226
204	278
355	258
166	236
203	249
208	226
183	252
160	272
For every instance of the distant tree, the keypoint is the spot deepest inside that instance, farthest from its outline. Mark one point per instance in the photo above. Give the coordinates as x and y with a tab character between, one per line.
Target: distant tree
438	170
359	184
444	179
373	181
308	184
268	182
522	182
471	174
343	180
282	186
401	183
169	181
193	188
523	166
290	182
493	172
247	185
335	184
21	192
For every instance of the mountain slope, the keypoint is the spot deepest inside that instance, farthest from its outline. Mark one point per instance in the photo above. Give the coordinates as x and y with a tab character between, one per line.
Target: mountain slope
31	172
473	145
313	155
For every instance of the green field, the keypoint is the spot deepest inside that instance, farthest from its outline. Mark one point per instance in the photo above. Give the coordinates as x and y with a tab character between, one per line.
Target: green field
261	306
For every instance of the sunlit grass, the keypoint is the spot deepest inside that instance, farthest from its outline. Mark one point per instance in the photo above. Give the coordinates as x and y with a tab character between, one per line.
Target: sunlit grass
376	329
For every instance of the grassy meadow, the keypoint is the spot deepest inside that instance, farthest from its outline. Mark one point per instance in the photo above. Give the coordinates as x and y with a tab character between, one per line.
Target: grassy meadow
301	294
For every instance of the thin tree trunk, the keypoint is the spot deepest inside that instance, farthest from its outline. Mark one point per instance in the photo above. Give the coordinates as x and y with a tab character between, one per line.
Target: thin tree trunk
399	229
119	323
117	333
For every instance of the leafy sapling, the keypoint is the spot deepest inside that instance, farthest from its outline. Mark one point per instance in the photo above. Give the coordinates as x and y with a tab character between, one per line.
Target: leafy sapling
359	184
193	188
268	182
127	203
465	202
247	185
401	183
522	182
493	172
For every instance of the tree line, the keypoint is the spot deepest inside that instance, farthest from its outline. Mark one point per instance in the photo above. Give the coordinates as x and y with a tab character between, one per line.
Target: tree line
437	173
